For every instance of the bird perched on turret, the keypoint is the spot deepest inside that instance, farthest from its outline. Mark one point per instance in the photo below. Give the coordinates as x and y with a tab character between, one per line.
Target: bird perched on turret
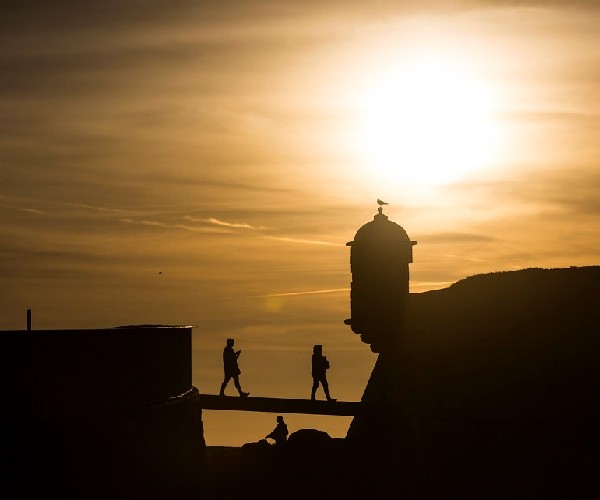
379	202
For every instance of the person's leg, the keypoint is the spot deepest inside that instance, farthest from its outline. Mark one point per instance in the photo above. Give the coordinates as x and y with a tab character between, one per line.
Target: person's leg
314	388
236	381
224	384
326	389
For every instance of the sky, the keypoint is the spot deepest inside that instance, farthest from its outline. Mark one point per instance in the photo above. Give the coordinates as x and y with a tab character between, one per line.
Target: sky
205	163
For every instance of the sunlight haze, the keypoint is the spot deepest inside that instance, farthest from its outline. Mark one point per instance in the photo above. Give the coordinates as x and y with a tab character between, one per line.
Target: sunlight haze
205	164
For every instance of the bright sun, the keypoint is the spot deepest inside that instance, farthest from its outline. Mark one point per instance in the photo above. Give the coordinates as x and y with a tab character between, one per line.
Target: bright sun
427	122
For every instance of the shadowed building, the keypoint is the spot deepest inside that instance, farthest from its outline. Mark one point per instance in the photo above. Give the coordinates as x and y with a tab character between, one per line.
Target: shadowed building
379	257
108	413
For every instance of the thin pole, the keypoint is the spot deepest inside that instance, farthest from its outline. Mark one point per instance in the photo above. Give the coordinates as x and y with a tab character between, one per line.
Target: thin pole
28	320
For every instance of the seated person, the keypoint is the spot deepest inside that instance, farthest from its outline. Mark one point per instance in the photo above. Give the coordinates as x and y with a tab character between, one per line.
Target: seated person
280	433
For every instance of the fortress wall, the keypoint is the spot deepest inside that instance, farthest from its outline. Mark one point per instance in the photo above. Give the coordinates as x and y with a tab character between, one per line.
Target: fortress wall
74	372
102	413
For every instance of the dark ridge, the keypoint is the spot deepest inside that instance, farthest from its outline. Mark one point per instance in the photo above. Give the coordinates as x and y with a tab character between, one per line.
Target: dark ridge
489	390
495	381
528	275
493	393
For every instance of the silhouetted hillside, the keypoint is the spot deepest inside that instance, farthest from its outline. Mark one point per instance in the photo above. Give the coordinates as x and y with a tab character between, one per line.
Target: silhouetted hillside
495	380
488	390
522	342
492	392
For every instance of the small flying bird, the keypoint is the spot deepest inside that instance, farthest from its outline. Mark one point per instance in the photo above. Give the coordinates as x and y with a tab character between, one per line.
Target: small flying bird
379	202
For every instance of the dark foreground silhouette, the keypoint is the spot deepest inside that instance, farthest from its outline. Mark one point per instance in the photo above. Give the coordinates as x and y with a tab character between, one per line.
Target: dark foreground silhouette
493	393
490	392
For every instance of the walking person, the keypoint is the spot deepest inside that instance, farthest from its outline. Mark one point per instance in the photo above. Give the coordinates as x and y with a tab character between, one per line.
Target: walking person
231	369
320	365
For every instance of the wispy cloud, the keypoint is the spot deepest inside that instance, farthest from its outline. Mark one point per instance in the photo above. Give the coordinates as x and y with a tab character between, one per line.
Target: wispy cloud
32	211
465	257
218	222
218	226
454	238
310	292
154	223
27	201
302	241
100	209
568	189
28	210
243	225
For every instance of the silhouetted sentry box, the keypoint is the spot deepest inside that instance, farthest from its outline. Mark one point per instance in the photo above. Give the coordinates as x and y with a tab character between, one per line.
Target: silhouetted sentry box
75	372
379	257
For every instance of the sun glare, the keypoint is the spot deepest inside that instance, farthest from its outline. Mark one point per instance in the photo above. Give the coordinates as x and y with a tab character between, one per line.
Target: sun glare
427	122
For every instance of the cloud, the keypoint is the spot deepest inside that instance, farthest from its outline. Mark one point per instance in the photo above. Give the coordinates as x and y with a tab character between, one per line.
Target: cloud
35	211
442	238
196	229
40	206
302	241
310	292
583	117
32	210
563	189
465	258
217	222
573	192
101	209
217	226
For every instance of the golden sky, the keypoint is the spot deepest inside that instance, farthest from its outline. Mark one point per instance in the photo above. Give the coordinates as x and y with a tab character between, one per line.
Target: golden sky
236	146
